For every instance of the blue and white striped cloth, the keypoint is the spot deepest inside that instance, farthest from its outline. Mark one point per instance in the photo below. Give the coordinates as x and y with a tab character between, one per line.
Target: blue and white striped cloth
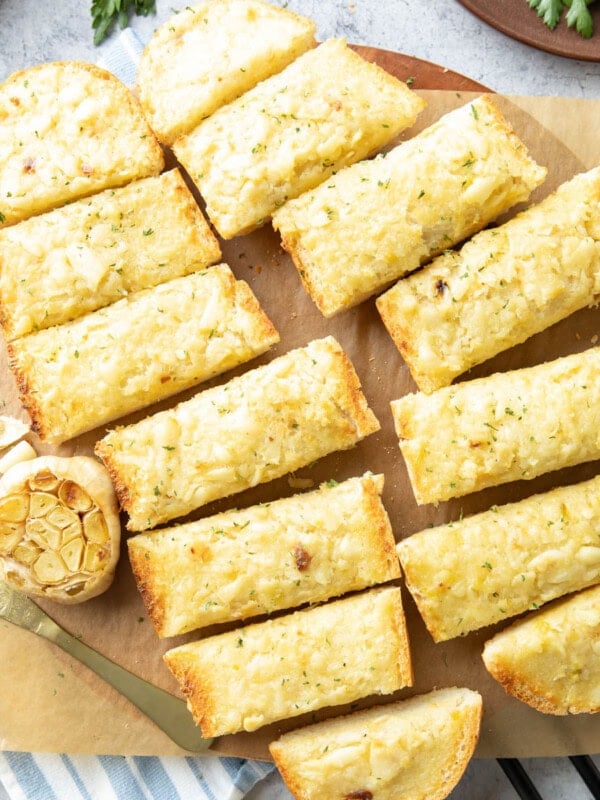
46	776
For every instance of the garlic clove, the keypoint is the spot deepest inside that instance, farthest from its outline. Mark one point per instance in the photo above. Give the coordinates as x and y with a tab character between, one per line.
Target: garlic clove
22	451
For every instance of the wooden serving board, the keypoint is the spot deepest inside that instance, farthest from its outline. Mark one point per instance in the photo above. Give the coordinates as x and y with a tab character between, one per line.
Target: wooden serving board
51	703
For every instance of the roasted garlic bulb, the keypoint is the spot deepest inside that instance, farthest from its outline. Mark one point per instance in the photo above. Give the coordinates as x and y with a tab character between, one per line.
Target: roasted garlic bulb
59	528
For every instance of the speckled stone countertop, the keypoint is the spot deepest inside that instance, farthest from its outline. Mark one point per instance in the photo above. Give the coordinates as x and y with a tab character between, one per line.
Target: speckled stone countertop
442	31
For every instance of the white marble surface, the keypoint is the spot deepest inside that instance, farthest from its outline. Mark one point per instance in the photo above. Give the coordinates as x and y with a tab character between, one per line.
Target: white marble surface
437	30
441	31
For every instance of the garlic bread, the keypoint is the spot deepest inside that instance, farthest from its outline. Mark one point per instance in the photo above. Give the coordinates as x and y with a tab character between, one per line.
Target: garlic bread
68	129
323	656
142	349
243	563
291	132
375	221
209	54
60	265
415	749
257	427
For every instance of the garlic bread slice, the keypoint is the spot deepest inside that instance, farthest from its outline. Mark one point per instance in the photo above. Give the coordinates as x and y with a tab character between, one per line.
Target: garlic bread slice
415	749
322	656
68	129
551	659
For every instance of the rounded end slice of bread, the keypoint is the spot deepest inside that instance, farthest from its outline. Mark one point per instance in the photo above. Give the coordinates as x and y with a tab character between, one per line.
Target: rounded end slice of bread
551	659
69	129
415	749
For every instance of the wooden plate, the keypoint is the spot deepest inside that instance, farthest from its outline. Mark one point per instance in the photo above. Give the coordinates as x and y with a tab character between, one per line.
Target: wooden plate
419	74
517	20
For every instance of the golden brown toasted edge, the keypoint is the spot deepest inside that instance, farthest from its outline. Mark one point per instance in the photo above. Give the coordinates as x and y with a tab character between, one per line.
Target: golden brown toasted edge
402	417
402	338
401	412
195	688
154	156
382	540
192	213
287	770
401	335
27	391
538	694
105	453
460	753
514	686
463	752
285	767
291	243
263	328
405	666
417	597
354	400
144	578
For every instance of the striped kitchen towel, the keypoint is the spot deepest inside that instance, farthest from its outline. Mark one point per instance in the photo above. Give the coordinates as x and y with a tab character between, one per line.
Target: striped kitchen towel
45	776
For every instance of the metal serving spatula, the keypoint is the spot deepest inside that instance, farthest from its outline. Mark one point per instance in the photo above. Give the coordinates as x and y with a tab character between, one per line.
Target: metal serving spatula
168	712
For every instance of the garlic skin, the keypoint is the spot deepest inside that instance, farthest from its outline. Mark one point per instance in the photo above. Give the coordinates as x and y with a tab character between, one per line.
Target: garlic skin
22	451
11	430
60	530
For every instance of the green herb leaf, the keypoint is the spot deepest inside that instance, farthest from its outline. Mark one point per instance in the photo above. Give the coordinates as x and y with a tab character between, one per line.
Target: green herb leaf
548	10
105	13
578	15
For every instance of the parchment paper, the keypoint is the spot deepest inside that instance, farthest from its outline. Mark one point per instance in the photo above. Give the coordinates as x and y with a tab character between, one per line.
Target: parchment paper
49	702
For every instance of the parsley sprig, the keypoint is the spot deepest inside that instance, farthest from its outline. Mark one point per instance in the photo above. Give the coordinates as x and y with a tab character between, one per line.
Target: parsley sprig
105	13
578	15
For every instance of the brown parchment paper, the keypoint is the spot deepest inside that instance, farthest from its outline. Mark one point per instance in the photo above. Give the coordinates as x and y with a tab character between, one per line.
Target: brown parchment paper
49	702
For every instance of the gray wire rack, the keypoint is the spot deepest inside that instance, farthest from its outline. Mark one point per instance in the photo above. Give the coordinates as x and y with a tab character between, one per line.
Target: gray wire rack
525	788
